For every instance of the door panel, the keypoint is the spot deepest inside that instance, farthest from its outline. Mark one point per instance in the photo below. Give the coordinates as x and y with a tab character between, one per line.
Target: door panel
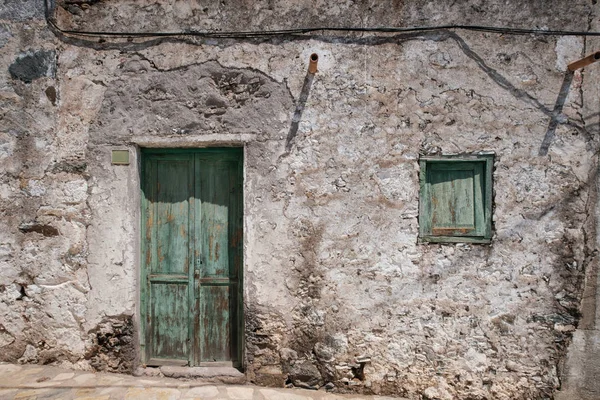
216	302
168	190
219	195
169	314
191	301
172	205
214	194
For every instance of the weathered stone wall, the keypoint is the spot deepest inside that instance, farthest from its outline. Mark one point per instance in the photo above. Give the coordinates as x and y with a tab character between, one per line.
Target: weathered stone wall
582	366
337	288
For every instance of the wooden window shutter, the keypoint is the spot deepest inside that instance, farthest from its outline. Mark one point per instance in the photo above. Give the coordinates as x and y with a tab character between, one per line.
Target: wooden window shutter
455	199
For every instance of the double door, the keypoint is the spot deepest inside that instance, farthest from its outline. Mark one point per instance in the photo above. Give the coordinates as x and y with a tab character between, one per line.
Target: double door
192	238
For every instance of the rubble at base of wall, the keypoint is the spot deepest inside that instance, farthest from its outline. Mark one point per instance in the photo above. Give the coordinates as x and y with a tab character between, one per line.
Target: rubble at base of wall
112	348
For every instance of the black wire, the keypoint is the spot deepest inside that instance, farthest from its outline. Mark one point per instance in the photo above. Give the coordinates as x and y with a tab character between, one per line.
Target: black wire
301	31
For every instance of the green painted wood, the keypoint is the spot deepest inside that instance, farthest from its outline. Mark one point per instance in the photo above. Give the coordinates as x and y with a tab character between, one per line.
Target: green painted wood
197	245
192	240
215	218
455	199
453	193
216	325
167	191
488	193
454	239
172	212
220	259
169	315
424	201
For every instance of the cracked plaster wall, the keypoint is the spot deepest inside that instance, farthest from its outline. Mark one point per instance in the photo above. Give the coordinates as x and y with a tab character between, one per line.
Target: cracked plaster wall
337	289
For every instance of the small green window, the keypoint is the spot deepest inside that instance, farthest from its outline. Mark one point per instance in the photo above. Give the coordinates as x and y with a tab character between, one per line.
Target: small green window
456	199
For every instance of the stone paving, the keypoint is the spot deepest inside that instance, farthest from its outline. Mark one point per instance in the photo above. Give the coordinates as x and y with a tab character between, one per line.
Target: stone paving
29	382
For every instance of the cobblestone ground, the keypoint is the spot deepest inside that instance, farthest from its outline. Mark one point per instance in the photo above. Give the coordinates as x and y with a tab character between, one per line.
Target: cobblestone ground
45	382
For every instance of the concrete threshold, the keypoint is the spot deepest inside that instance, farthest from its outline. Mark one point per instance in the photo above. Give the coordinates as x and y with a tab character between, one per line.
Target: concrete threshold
208	374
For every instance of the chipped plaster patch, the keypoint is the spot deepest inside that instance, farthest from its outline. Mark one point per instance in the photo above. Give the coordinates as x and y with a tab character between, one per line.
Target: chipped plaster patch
568	49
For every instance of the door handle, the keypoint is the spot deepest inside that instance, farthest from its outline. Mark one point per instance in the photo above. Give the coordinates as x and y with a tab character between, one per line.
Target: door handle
197	274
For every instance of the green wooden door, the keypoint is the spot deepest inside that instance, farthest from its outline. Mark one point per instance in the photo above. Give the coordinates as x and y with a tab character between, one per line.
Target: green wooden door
191	293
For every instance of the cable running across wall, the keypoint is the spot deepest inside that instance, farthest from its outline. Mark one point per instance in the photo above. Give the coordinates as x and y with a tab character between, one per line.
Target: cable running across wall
304	31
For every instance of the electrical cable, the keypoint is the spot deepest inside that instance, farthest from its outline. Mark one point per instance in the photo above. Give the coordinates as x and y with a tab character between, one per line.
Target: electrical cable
303	31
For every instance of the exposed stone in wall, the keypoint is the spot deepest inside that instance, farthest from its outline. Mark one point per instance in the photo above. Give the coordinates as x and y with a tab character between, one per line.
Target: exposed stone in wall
338	291
113	345
33	65
265	330
46	230
197	99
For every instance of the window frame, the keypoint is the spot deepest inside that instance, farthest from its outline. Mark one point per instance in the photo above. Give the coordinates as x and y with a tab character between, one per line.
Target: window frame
482	232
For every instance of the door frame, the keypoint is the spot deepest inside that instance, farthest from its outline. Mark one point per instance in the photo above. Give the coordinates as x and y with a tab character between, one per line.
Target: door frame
143	302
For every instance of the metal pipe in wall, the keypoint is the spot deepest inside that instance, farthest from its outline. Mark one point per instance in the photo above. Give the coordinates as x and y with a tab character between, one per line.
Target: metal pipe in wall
312	63
592	58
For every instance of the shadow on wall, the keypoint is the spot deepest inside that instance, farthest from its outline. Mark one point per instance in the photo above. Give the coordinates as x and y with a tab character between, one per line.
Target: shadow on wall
308	80
557	117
